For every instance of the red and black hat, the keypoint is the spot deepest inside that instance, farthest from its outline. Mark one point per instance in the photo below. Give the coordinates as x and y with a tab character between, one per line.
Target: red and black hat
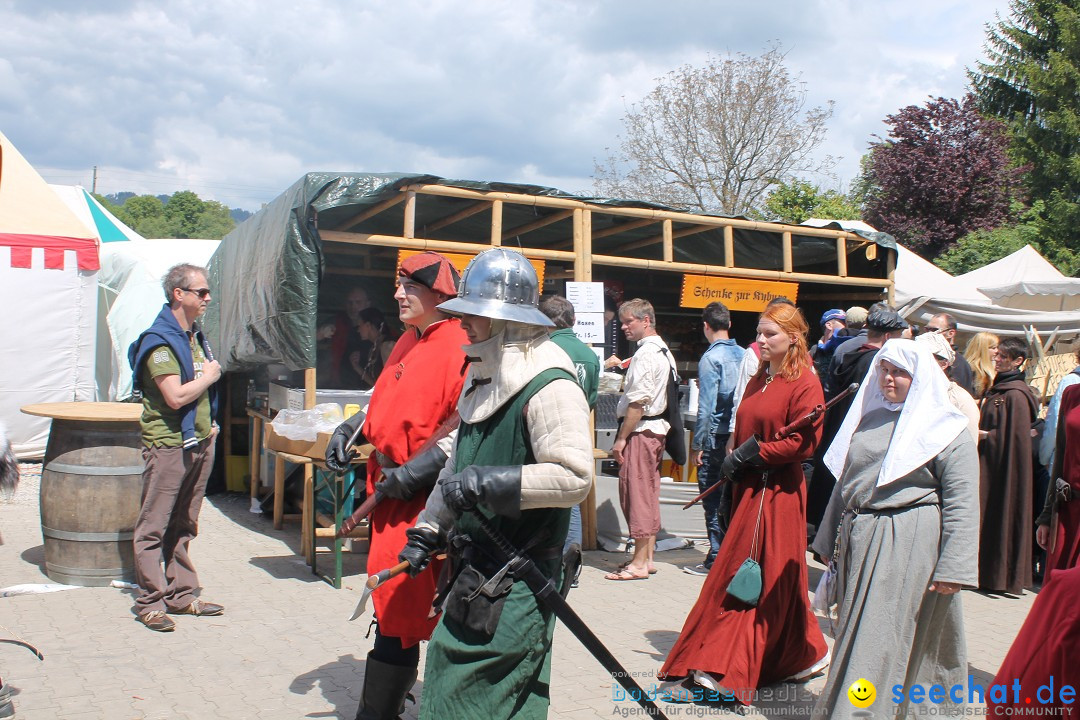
431	270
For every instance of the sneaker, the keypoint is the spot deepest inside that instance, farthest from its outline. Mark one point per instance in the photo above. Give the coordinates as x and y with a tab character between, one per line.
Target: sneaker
698	569
200	608
157	621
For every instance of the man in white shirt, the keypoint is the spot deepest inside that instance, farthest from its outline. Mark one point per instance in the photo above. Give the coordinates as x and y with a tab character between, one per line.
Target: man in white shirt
639	445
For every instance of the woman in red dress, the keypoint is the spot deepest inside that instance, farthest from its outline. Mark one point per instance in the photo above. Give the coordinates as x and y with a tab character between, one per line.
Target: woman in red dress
727	646
1063	549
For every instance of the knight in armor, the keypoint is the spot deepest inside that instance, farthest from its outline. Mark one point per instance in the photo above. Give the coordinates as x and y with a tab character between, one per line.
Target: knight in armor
413	398
522	458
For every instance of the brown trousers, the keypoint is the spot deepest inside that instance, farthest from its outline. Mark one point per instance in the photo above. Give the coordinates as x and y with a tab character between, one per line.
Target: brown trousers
174	483
639	483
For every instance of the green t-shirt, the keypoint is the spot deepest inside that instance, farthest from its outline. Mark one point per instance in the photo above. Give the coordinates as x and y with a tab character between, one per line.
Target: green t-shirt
160	423
586	363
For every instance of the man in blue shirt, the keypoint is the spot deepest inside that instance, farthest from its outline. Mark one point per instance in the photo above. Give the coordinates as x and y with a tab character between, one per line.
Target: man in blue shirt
718	372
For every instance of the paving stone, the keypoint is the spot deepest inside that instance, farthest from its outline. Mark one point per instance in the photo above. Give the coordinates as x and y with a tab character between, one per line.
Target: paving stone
285	648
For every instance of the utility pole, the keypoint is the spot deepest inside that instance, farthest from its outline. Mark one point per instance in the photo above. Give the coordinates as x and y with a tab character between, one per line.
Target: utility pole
93	183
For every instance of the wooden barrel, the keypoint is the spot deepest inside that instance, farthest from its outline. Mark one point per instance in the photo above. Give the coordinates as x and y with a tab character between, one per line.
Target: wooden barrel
91	491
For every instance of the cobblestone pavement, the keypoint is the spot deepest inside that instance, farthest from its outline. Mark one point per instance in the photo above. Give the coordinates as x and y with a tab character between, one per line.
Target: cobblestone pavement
284	648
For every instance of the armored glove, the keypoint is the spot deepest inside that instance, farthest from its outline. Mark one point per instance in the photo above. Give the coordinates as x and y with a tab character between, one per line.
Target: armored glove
338	455
423	541
746	455
496	488
416	475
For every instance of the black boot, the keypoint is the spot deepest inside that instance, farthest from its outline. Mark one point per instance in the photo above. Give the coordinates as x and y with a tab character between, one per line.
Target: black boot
385	689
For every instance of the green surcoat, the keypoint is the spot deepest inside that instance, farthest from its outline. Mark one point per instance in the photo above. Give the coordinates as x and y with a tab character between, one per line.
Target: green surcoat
470	675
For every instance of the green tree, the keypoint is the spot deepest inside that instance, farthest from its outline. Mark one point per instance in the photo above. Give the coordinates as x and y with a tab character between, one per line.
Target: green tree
183	211
214	222
1031	80
143	207
800	200
183	216
982	247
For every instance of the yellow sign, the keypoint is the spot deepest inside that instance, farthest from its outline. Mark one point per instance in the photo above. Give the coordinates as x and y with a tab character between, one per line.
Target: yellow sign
736	293
460	260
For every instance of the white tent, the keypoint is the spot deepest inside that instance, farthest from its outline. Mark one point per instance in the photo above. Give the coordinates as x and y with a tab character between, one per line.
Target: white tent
1005	297
1027	281
1024	280
91	213
1016	292
918	278
48	287
131	297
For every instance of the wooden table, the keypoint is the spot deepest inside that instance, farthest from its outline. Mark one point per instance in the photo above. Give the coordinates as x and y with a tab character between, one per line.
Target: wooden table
258	422
87	411
313	525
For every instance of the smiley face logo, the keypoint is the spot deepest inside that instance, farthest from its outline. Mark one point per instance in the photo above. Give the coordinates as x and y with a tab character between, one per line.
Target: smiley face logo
862	693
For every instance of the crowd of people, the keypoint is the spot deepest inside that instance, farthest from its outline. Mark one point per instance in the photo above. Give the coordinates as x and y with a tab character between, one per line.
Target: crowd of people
928	460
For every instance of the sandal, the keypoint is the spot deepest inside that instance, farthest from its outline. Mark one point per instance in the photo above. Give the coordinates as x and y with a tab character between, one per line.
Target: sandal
652	570
624	574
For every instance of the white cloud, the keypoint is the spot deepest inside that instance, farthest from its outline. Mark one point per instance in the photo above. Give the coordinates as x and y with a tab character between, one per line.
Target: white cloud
244	97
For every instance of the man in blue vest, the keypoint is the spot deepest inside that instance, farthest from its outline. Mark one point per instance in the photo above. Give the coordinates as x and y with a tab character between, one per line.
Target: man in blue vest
175	370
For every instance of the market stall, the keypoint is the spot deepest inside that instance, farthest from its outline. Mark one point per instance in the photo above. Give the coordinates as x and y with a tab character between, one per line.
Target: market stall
280	274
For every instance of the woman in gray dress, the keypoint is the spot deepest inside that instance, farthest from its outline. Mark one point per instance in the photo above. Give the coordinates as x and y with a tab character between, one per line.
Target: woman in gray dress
902	528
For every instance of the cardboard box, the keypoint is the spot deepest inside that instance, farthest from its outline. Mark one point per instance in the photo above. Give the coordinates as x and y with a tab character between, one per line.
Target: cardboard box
282	397
315	449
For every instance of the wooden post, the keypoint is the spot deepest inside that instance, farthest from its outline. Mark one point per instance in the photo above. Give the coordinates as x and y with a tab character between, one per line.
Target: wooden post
279	492
256	455
583	273
226	440
890	272
786	239
496	223
579	243
841	257
669	250
586	247
409	230
729	246
309	472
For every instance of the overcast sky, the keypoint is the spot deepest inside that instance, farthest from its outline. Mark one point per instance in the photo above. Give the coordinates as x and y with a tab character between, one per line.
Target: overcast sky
236	99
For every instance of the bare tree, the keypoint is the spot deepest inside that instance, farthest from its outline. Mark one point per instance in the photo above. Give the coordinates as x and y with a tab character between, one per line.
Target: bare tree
715	138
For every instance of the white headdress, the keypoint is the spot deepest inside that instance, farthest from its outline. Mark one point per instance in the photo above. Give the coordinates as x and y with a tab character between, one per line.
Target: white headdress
928	421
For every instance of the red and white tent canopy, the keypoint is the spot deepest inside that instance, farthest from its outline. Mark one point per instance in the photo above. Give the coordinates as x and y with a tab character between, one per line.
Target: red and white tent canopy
48	288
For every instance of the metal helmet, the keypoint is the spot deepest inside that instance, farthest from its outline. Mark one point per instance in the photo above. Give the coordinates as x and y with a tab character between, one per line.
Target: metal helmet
499	284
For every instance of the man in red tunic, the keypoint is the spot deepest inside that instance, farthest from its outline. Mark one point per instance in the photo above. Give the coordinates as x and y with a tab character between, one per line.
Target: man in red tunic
413	398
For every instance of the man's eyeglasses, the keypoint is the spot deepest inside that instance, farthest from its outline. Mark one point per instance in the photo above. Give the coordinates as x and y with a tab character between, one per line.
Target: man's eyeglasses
203	293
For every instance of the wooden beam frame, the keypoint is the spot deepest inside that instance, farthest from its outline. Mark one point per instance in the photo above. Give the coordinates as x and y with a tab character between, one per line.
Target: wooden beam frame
372	211
474	209
623	227
666	238
655	215
606	260
538	223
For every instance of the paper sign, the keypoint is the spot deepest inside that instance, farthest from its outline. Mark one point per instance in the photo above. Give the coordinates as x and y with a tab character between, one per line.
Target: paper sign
589	328
586	297
736	293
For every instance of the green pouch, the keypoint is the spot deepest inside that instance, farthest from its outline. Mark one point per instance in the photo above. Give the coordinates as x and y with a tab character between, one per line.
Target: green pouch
746	585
